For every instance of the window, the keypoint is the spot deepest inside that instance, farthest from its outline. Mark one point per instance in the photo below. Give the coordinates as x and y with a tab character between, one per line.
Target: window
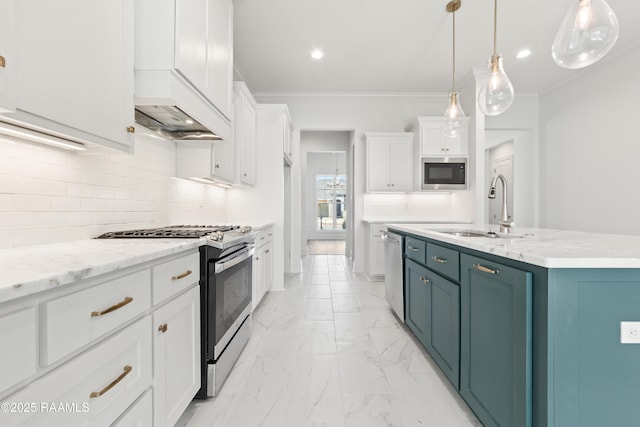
331	209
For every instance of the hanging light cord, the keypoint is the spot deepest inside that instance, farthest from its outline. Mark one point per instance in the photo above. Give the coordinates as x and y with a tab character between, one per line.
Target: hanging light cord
495	25
453	77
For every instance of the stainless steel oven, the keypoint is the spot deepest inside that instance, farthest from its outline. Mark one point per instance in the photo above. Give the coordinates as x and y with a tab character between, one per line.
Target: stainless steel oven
225	297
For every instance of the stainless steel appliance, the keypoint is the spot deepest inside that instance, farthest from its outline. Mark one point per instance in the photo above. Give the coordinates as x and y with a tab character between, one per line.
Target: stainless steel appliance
225	293
394	289
444	173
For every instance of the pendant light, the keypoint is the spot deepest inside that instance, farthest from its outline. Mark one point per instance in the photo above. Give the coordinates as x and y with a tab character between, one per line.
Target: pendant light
588	32
496	95
453	115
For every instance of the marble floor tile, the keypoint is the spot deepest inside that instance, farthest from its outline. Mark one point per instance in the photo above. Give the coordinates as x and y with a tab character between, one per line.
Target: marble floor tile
329	352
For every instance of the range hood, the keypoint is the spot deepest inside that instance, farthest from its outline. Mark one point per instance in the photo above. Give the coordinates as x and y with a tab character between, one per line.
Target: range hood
172	123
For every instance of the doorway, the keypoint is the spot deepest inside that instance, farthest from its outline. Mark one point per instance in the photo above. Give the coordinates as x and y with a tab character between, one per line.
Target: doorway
326	186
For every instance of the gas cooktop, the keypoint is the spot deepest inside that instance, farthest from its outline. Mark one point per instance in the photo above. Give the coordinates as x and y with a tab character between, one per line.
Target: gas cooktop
216	233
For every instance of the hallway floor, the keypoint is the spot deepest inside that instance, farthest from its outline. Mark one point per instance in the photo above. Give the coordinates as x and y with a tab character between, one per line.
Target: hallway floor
329	352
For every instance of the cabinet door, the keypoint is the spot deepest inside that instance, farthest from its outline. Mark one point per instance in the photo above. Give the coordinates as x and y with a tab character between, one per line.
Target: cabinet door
7	64
377	164
443	335
74	69
416	300
247	141
191	42
176	351
268	267
495	371
257	277
401	164
224	166
220	54
431	142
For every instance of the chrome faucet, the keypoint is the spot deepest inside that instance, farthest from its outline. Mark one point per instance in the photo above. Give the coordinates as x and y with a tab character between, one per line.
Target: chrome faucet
505	224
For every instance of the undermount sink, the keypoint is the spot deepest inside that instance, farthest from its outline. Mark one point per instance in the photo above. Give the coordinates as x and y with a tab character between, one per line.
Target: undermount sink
480	233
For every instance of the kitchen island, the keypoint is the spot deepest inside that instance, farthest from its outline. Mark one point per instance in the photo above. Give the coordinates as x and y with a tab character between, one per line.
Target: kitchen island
528	326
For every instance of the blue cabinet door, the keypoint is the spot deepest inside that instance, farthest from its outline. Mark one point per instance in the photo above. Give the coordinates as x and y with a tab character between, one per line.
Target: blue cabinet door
416	292
443	336
495	345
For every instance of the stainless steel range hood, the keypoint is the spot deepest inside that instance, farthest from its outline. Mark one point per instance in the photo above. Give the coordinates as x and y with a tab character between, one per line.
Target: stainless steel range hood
173	123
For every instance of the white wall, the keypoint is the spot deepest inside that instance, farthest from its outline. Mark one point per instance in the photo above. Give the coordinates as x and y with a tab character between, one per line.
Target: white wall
590	150
50	195
360	113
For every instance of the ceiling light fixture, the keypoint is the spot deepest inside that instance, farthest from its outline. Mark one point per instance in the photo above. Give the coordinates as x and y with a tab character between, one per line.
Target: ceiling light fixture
317	54
496	94
588	32
524	53
453	115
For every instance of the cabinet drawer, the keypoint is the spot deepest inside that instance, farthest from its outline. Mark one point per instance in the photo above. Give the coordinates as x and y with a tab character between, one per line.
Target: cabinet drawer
264	236
174	276
18	332
95	388
415	249
139	414
72	321
444	261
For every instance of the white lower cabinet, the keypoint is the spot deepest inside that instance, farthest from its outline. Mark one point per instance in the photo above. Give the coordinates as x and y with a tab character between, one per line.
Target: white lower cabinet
18	332
375	253
139	414
107	354
92	389
262	266
176	355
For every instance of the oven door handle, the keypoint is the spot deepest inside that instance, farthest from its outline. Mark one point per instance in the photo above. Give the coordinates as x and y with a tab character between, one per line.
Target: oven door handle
236	259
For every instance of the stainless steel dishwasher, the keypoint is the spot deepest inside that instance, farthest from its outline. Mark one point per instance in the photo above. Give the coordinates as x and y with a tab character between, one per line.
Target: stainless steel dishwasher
394	289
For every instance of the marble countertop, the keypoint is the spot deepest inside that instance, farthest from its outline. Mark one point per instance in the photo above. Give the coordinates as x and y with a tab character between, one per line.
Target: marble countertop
31	269
543	247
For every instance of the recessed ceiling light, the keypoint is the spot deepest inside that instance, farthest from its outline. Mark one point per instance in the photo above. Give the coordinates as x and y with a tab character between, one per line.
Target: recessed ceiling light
317	54
523	53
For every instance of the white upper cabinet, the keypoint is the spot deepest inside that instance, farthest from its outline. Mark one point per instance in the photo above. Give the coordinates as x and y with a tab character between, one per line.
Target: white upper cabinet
431	141
72	68
7	63
244	122
208	160
389	161
220	55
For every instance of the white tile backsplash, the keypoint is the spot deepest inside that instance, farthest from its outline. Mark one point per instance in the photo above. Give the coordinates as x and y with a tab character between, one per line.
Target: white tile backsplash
408	207
49	195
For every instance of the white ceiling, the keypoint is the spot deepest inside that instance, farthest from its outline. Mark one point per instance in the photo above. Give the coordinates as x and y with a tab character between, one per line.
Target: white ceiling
402	45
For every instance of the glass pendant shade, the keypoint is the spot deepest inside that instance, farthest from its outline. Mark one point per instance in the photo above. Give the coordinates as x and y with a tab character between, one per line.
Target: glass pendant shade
496	95
453	116
587	34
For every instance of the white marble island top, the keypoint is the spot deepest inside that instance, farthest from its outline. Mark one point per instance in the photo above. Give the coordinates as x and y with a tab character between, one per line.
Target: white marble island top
542	247
31	269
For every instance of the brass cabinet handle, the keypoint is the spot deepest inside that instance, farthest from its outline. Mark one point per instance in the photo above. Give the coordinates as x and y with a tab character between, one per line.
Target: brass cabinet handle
163	328
3	62
440	260
485	269
131	129
411	248
424	280
113	383
121	304
181	276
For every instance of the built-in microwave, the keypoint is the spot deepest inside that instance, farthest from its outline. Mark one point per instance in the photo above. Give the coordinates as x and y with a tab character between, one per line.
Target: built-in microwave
444	173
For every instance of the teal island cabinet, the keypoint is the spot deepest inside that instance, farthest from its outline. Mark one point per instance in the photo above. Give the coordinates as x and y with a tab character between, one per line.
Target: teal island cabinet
528	326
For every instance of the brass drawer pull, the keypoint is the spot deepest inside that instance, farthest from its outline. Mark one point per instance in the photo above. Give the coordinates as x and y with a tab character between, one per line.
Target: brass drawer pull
485	269
411	248
182	276
3	62
440	260
163	328
425	280
113	383
121	304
